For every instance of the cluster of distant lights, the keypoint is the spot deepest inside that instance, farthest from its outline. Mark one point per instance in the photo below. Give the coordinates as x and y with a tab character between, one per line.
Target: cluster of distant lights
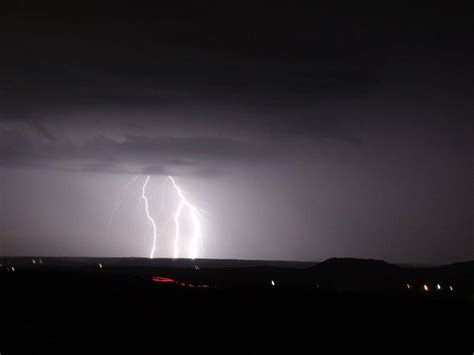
426	287
161	279
33	261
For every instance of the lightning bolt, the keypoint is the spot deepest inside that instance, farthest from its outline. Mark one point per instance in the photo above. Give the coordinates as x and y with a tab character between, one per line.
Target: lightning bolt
149	217
119	203
183	205
196	222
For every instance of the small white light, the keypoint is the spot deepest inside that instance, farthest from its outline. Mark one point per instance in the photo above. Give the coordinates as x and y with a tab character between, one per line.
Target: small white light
41	261
13	268
408	286
426	288
100	265
438	286
33	261
273	283
451	288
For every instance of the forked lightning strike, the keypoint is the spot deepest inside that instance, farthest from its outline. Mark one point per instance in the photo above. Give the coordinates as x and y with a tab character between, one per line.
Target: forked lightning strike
196	223
149	217
184	204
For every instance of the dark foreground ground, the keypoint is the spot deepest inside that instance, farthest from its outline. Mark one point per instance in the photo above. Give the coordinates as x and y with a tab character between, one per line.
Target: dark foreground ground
82	305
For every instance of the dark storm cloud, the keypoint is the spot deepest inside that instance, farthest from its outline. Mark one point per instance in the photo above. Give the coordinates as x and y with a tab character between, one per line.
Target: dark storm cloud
134	152
43	131
271	72
155	170
211	147
97	168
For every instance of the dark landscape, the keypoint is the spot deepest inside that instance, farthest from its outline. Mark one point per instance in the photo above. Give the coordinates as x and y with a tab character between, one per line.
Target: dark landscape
55	301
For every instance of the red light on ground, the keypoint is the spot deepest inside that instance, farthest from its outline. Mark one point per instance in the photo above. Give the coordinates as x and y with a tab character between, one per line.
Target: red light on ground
162	279
170	280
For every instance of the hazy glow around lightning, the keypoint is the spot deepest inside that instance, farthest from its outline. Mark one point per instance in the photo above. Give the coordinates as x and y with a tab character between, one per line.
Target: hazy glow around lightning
119	203
149	217
196	223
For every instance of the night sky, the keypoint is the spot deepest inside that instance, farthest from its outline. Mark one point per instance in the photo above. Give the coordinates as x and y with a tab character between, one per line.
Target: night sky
301	133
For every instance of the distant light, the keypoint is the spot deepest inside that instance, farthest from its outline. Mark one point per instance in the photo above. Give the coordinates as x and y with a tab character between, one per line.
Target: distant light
41	261
438	286
196	267
13	268
426	288
99	265
33	261
451	288
273	283
408	286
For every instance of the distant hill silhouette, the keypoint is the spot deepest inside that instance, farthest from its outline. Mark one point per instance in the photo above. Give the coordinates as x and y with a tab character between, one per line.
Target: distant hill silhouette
359	264
357	274
377	275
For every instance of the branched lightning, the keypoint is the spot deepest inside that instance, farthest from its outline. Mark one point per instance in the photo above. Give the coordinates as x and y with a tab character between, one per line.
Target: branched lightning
183	206
177	230
196	222
149	216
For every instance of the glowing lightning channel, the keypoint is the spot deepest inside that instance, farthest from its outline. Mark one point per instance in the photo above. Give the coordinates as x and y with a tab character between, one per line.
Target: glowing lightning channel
149	217
196	221
176	222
